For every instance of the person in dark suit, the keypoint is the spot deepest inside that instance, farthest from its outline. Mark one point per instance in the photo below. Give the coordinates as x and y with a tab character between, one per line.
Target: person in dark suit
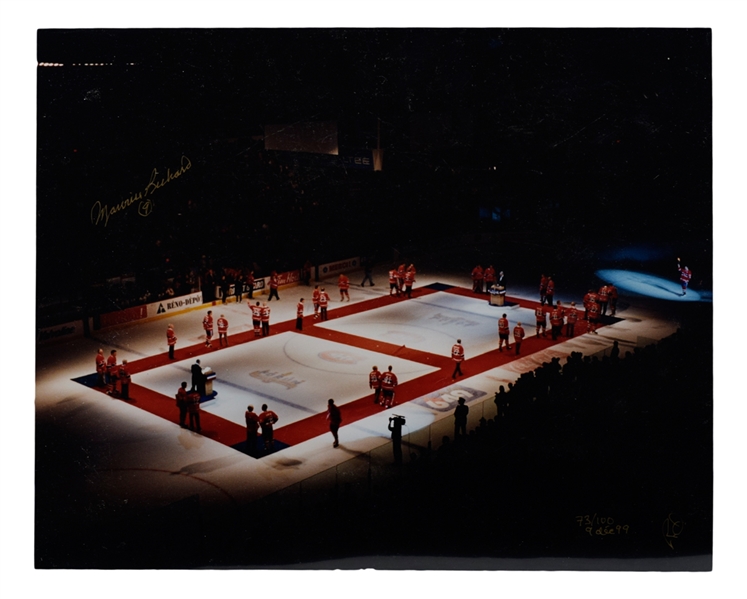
198	379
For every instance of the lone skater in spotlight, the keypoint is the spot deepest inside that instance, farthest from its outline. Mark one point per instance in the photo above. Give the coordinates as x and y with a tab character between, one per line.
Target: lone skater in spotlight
685	275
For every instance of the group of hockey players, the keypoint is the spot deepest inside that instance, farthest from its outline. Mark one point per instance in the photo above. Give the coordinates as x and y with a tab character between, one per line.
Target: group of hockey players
112	376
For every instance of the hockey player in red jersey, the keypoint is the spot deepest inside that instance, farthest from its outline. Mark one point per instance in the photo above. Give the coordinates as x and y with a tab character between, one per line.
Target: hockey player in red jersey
503	330
171	340
343	282
222	330
457	354
315	301
101	367
256	318
685	276
299	315
374	382
388	383
265	320
393	284
323	303
207	325
571	319
477	278
541	318
519	335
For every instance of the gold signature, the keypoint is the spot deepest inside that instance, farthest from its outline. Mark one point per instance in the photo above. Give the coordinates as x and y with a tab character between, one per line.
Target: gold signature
671	529
100	213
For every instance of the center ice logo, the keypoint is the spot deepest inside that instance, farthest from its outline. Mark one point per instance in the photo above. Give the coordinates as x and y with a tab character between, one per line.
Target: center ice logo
402	337
285	379
446	400
339	357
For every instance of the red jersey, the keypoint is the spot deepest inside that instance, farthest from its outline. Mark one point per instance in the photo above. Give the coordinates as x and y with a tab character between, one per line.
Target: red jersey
518	333
274	281
323	299
503	326
540	314
550	287
257	313
111	364
100	363
489	274
685	274
409	278
555	318
392	277
267	419
477	273
594	311
543	284
170	337
299	310
388	381
252	422
124	374
207	323
572	315
604	293
181	397
315	296
343	283
222	325
457	352
265	314
374	379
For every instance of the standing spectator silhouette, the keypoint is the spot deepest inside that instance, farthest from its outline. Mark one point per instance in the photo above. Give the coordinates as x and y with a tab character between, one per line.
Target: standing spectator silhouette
460	418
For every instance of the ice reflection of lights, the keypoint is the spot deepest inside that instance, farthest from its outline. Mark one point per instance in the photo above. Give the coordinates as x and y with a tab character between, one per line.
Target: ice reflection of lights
651	285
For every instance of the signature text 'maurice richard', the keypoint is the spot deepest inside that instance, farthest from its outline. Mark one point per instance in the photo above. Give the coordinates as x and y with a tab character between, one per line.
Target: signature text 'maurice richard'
100	213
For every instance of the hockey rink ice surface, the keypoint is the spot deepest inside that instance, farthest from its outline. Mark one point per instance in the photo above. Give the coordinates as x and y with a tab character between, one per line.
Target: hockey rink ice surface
293	374
433	323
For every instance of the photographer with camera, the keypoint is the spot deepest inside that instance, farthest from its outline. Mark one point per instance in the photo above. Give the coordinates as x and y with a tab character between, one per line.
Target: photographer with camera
395	426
